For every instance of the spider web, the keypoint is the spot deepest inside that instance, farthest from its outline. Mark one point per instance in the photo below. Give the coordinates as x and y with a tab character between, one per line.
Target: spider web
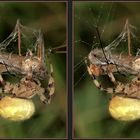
29	39
87	45
118	43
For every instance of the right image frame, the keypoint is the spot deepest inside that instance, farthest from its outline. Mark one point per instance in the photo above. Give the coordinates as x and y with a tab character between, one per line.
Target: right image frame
106	69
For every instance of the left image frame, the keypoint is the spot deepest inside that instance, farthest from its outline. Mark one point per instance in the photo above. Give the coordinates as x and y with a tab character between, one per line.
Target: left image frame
33	80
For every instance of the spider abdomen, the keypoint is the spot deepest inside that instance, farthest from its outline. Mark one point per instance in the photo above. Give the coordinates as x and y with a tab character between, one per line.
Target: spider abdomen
16	109
124	108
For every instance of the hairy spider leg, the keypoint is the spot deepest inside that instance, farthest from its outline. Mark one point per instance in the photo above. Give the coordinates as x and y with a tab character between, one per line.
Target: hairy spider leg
126	90
112	91
40	92
129	90
50	88
110	73
51	85
95	81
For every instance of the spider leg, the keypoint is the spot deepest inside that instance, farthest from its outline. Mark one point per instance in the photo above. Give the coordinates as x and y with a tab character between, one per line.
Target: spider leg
51	86
119	87
50	90
110	69
40	92
95	81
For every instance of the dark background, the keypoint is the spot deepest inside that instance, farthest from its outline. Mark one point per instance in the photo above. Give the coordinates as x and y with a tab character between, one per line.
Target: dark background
91	115
49	121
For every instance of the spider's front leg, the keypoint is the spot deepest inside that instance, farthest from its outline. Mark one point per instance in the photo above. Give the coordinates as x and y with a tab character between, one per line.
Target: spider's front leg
92	74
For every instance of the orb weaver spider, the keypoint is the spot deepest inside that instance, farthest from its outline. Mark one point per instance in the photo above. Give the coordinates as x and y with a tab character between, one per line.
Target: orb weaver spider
102	62
31	67
124	104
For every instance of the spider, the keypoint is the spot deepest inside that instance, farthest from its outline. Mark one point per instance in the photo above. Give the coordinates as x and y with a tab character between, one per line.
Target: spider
98	65
30	85
27	88
32	68
130	89
100	62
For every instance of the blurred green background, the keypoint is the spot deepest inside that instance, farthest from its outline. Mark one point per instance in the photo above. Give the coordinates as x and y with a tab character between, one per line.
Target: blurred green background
91	115
49	121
